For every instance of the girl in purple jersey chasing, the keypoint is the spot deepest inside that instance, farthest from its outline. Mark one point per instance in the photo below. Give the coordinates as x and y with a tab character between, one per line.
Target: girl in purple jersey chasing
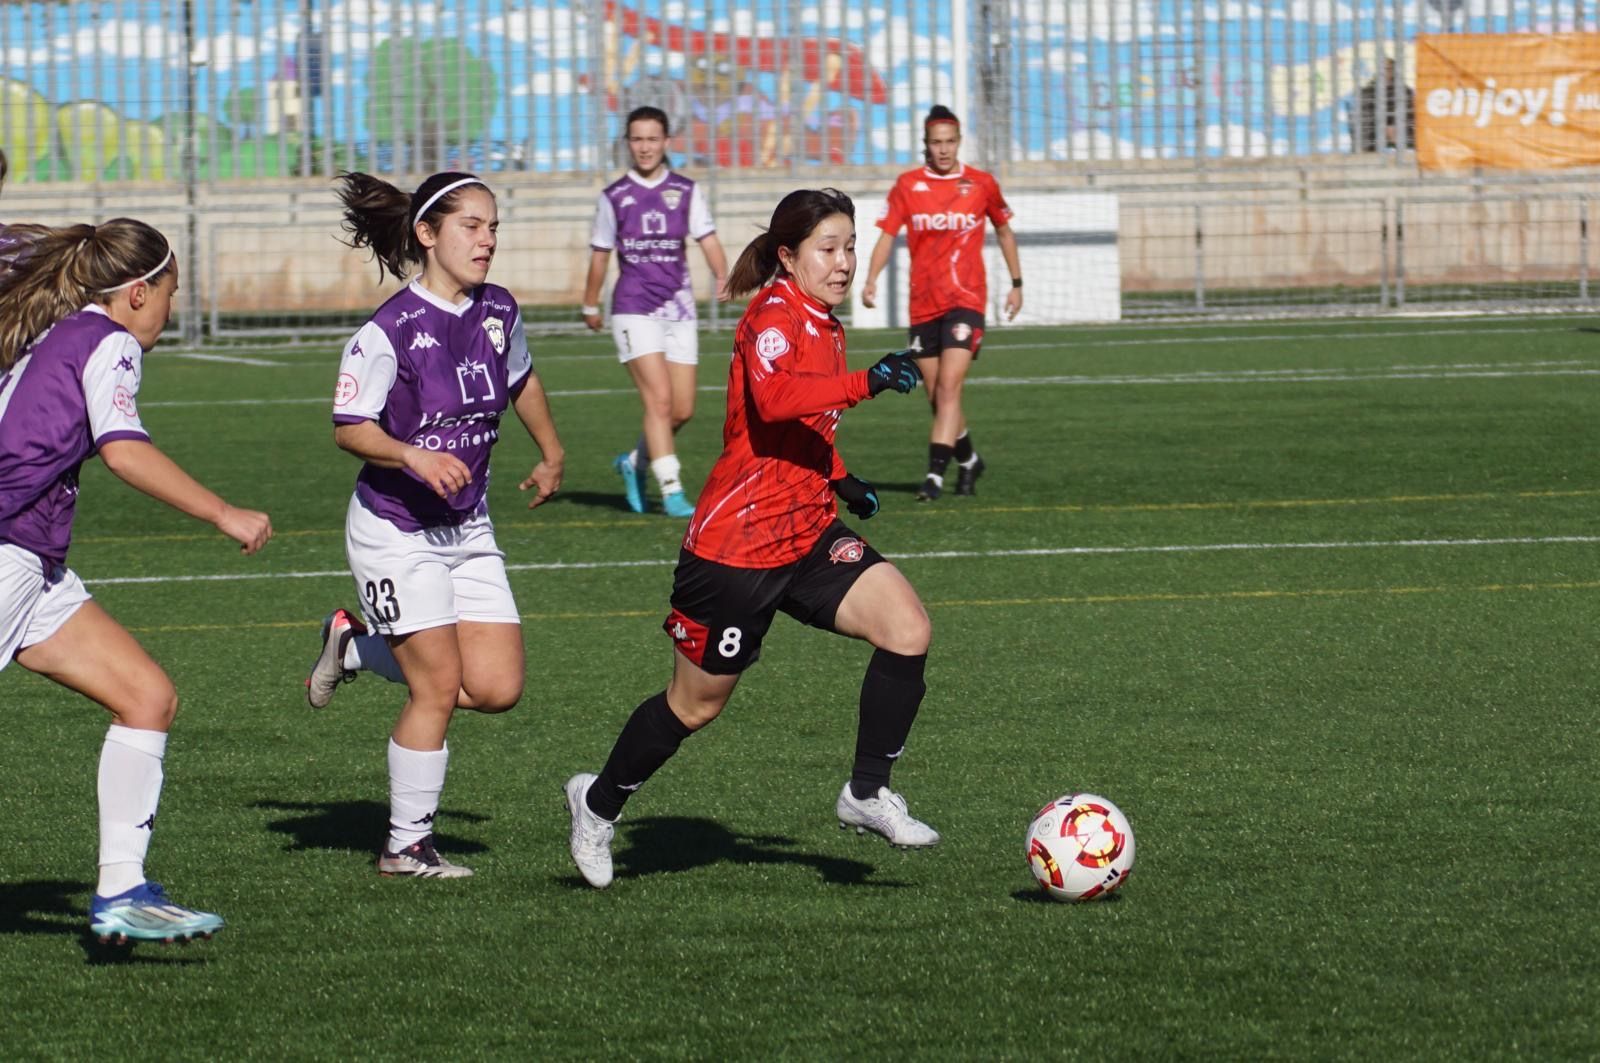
422	387
78	311
646	216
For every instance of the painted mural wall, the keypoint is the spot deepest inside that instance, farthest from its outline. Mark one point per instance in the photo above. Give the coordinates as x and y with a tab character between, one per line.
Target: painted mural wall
109	90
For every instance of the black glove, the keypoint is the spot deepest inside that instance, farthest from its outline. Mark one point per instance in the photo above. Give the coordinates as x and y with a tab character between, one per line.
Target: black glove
898	370
860	497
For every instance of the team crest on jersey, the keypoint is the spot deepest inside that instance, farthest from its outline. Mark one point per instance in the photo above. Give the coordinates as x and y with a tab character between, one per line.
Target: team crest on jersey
122	399
672	197
771	344
847	551
963	186
960	331
497	333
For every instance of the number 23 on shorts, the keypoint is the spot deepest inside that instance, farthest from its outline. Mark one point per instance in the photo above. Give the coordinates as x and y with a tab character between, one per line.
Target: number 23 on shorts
381	603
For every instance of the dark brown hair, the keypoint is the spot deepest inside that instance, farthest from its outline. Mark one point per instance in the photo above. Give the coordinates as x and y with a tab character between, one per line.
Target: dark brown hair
57	271
796	216
380	216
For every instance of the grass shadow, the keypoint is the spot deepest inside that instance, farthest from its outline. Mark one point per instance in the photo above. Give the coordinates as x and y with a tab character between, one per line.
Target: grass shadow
612	500
1039	896
352	826
44	906
669	844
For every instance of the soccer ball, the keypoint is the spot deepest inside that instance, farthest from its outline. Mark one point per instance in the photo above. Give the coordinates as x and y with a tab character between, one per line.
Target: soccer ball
1080	847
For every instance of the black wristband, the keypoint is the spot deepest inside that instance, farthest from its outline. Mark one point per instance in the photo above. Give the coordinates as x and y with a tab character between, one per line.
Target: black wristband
1016	282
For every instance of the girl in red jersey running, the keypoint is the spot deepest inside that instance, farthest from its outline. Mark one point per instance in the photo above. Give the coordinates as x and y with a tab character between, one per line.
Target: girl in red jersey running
942	206
766	536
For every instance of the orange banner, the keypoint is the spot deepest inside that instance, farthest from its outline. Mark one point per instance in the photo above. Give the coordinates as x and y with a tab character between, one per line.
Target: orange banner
1511	101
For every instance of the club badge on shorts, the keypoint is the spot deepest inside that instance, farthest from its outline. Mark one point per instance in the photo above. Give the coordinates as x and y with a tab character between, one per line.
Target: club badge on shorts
846	550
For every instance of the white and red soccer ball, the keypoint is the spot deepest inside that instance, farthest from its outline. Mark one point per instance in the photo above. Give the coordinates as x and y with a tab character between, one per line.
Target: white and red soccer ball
1080	847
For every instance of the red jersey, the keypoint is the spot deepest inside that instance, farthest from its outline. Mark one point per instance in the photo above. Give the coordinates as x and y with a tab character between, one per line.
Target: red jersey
943	216
767	500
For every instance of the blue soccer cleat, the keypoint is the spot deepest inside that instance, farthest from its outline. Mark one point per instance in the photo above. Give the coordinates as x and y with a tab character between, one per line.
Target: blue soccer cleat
633	481
677	504
145	913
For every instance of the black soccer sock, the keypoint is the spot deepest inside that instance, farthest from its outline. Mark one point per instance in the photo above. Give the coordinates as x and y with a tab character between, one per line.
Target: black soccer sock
964	451
648	740
939	459
890	696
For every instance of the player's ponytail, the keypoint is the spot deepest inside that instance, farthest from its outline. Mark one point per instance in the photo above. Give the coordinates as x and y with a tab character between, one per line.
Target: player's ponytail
54	272
796	216
380	216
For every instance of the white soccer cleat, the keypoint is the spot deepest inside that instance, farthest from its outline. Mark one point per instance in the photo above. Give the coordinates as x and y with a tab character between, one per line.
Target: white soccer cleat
420	860
884	814
328	671
591	835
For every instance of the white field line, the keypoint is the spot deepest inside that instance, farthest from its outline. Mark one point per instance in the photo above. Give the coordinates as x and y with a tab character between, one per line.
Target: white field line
930	555
235	359
1453	371
1266	337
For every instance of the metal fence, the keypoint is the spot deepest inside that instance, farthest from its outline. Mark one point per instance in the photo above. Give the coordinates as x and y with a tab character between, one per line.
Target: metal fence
209	115
220	90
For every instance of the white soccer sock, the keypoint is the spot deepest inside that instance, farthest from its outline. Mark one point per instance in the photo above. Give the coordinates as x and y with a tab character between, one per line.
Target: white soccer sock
129	788
666	469
416	779
371	653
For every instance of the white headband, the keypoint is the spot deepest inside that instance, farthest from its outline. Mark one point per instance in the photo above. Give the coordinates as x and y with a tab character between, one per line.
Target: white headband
166	258
446	190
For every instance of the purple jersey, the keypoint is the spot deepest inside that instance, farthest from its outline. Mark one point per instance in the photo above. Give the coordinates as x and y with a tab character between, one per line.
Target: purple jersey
646	223
435	376
71	392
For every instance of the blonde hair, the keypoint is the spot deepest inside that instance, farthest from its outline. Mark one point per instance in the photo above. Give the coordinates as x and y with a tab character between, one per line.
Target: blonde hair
55	272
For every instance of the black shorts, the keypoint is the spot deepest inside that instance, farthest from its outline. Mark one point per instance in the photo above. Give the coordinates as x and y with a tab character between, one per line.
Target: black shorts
721	613
957	328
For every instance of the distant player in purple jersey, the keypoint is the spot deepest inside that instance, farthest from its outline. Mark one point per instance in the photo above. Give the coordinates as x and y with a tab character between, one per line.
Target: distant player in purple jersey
77	313
646	215
422	388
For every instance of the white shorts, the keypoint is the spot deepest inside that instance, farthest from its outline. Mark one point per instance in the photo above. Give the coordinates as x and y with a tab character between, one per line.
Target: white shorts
410	581
637	334
33	608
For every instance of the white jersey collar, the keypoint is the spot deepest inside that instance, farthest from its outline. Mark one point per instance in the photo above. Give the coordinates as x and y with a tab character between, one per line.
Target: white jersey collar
633	175
448	307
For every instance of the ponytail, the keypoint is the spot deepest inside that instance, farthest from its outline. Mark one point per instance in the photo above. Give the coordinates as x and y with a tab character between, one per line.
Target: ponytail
379	216
755	267
795	217
54	272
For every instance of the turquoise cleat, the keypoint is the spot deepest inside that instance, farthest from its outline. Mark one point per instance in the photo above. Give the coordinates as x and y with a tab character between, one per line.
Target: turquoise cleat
633	482
145	913
677	504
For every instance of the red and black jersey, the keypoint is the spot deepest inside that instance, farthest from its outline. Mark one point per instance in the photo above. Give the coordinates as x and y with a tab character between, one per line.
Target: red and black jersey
767	500
943	215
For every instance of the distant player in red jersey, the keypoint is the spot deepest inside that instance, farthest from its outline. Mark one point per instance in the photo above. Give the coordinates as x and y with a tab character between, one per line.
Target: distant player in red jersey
766	536
942	206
